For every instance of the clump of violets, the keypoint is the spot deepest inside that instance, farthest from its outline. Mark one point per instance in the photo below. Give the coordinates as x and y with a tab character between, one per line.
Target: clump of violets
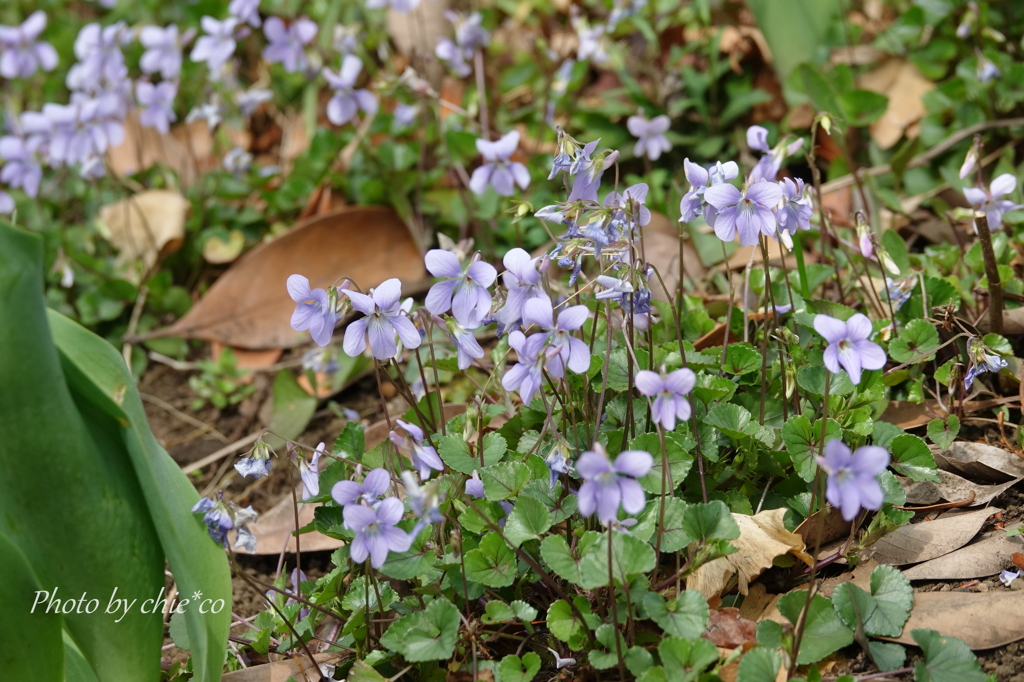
651	141
522	283
498	170
693	202
218	45
853	477
21	51
423	455
221	517
314	310
668	392
768	166
163	53
849	345
748	213
348	100
369	492
607	485
463	289
157	102
562	349
470	36
287	45
991	201
376	531
385	318
257	463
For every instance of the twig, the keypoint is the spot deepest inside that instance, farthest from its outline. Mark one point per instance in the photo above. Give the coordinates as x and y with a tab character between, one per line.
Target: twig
133	323
223	452
198	423
966	502
995	287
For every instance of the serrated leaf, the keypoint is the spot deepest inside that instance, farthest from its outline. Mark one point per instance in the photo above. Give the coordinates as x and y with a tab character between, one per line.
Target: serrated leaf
824	632
684	616
427	635
709	388
732	420
351	442
673	536
741	358
515	669
887	656
497	612
946	659
630	556
556	554
944	432
504	480
759	665
912	458
917	338
812	380
686	659
529	520
679	462
803	441
710	521
564	624
493	563
456	453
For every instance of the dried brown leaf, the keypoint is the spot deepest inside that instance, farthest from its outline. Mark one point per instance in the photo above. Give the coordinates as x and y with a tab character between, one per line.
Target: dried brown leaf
281	671
929	539
951	488
981	559
983	620
729	630
661	249
900	81
145	226
980	462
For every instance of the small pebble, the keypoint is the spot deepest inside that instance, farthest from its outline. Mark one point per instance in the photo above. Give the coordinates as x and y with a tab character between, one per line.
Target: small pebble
1017	585
981	587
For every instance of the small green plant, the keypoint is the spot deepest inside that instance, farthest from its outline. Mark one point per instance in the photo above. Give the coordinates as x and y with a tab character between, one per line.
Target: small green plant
220	382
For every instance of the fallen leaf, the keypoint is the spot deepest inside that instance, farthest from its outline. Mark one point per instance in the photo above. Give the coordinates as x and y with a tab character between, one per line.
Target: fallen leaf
951	488
980	462
835	527
756	603
729	630
276	526
216	250
762	538
145	226
983	620
981	559
900	81
839	204
143	148
249	306
247	359
859	576
1018	559
908	415
661	249
929	539
1013	322
298	668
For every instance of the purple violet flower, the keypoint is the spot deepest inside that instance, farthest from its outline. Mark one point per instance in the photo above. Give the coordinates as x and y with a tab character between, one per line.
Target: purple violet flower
287	45
248	101
591	41
384	318
569	351
424	457
522	280
849	345
651	140
630	205
558	461
669	393
852	477
693	202
218	45
217	519
608	484
6	202
313	310
20	169
257	464
526	375
982	360
466	345
796	210
100	60
375	530
21	55
474	486
347	100
464	291
246	11
991	201
469	37
309	472
157	102
771	161
374	485
749	212
424	502
163	54
498	171
1006	577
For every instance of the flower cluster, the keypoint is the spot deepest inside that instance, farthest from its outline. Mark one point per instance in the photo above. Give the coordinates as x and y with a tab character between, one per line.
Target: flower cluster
221	517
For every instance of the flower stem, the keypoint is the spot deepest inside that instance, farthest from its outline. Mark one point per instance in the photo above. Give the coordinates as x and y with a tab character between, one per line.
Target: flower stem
615	609
995	287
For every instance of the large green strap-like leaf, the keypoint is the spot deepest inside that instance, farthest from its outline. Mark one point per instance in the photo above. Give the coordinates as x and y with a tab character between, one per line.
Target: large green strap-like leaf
94	369
32	648
74	510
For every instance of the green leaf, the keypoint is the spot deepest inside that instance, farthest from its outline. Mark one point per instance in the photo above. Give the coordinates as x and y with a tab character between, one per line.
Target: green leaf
863	107
351	442
455	452
493	563
363	672
759	665
179	631
293	408
824	632
887	656
710	521
497	612
566	626
684	616
803	441
556	554
427	635
711	388
637	659
796	30
769	634
419	560
630	556
685	659
32	648
618	367
944	432
917	338
912	458
515	669
495	447
946	659
812	380
504	480
732	420
896	247
673	536
741	358
679	462
529	520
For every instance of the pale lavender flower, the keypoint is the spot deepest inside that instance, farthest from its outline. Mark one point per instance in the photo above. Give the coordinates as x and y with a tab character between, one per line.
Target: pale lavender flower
246	11
749	212
630	205
449	53
1006	577
651	140
693	202
210	112
466	345
313	310
469	37
591	42
21	54
84	128
405	115
218	45
991	201
257	464
564	349
243	536
852	477
309	472
20	169
474	486
287	45
796	211
250	100
498	171
216	517
614	289
771	161
347	100
424	502
92	168
6	202
607	484
384	318
157	102
375	530
526	375
849	345
669	393
522	280
237	161
163	53
464	291
987	70
424	456
400	6
100	60
982	360
558	461
374	485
